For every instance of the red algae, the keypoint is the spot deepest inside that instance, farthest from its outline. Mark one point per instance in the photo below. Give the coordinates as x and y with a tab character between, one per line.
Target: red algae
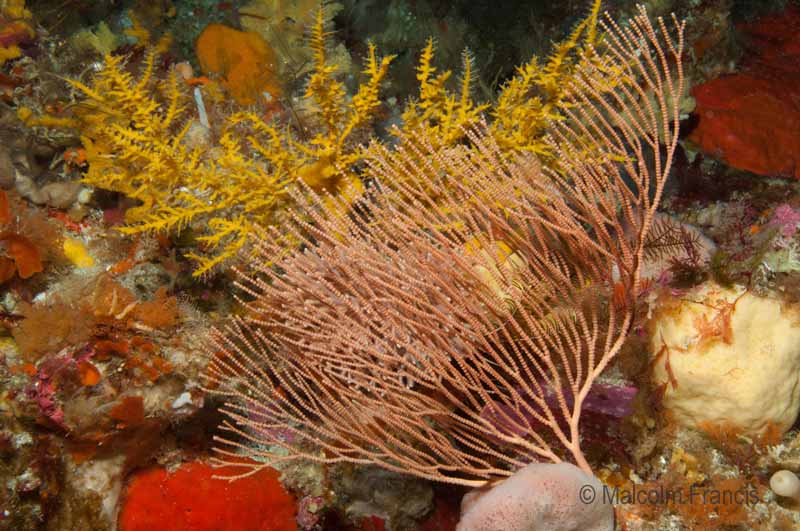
5	209
26	256
443	518
191	499
8	269
751	119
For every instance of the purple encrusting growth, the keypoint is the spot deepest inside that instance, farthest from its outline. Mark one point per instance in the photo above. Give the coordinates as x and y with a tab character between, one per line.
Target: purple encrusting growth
259	415
43	393
608	400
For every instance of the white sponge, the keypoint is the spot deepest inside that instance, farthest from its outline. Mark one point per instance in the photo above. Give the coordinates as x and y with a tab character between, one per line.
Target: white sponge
541	497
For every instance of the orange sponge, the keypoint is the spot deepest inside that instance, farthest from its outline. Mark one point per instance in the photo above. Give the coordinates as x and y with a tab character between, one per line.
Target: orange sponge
243	60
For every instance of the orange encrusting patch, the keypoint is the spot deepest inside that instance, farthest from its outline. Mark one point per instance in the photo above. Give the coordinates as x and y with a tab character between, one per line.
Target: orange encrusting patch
129	411
88	373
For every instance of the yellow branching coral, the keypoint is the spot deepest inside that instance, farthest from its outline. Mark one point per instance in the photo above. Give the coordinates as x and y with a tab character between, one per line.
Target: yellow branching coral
145	138
138	140
132	132
142	139
536	96
331	157
16	28
526	106
440	113
538	93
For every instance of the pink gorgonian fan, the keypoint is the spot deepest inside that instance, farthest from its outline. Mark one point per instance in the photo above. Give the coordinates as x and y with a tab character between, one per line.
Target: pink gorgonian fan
452	324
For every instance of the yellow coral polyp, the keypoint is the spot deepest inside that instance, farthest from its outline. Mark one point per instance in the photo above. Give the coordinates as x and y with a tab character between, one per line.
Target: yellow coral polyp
8	53
15	9
15	28
77	253
499	268
330	155
27	116
318	174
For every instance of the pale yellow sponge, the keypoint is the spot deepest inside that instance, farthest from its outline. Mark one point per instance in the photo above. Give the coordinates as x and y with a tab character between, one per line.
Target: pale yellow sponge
725	357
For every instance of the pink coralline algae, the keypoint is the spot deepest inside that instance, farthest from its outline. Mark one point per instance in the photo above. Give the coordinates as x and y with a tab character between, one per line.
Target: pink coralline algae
43	393
786	219
309	510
